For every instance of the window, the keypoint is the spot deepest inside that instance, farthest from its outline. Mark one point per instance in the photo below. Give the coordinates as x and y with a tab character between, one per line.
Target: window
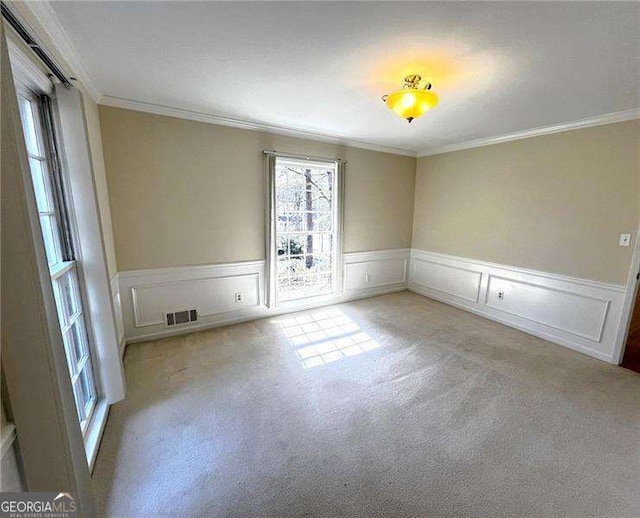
305	230
57	236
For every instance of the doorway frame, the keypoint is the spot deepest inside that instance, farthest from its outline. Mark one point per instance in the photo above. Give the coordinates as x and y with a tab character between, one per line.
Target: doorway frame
631	291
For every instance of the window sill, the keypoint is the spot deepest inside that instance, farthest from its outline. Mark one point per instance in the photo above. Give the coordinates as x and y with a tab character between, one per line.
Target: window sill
94	431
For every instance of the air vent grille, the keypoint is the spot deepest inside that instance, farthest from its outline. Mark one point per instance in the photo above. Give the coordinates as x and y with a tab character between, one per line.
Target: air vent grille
177	318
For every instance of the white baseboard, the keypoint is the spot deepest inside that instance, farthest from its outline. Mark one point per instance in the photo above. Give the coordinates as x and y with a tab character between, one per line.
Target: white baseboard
144	295
580	314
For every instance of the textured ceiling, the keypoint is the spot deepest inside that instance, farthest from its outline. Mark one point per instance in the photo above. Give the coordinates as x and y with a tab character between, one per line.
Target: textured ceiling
499	68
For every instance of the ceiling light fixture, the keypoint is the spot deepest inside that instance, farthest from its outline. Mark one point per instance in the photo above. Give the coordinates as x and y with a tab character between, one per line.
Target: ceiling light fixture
413	100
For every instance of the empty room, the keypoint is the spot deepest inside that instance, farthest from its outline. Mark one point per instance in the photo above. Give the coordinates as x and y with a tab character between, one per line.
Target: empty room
320	259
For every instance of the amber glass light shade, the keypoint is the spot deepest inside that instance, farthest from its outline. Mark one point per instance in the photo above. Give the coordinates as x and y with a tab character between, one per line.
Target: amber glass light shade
412	101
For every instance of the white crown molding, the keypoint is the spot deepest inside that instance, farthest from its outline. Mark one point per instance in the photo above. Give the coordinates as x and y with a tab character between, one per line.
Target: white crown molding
599	120
180	113
49	23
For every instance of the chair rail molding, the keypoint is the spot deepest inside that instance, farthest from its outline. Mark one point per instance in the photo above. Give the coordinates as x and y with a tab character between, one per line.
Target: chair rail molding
580	314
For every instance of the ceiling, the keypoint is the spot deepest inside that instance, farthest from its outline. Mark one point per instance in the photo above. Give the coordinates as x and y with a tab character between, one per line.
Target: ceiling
499	68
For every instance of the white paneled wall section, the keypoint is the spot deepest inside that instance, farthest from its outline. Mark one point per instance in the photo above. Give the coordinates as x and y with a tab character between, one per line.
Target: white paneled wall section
374	272
580	314
145	296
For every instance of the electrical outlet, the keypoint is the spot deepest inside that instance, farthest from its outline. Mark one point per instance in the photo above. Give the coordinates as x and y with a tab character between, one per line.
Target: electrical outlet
239	296
624	240
501	295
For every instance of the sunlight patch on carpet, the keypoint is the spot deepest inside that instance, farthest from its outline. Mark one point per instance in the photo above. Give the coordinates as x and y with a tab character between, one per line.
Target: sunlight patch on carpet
325	337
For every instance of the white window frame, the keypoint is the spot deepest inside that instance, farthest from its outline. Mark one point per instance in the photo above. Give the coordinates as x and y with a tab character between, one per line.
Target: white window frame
30	78
59	270
338	233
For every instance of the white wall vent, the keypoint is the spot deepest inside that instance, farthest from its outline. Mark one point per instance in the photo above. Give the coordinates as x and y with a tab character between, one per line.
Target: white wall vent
178	318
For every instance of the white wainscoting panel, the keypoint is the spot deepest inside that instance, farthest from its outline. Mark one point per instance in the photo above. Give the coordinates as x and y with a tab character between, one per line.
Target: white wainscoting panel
451	280
209	296
367	270
580	314
145	295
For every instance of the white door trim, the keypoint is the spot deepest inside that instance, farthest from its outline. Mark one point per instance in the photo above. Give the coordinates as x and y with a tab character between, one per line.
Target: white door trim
629	303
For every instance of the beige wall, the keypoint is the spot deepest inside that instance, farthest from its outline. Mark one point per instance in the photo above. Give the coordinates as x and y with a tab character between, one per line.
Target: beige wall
184	193
187	193
554	203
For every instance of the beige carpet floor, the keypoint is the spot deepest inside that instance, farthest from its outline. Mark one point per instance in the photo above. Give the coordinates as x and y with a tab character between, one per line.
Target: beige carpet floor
394	406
